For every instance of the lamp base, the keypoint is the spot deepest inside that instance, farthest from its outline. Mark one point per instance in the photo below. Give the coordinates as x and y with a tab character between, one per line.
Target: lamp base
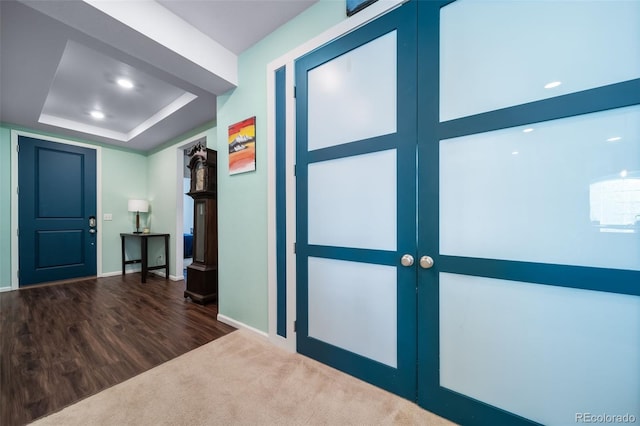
137	232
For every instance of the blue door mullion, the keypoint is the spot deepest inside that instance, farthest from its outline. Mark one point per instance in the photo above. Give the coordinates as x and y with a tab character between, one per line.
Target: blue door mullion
613	96
428	332
379	257
365	146
621	281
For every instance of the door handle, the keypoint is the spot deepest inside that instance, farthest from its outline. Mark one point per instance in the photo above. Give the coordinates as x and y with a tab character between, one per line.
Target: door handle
426	262
406	260
92	224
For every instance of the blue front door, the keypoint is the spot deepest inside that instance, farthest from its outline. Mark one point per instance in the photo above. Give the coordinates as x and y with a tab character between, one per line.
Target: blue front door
56	202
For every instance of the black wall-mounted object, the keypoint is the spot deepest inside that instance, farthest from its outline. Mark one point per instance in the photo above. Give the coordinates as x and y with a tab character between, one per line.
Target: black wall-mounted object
355	6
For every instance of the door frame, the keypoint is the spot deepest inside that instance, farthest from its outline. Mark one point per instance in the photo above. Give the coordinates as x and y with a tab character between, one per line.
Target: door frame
15	283
179	229
287	61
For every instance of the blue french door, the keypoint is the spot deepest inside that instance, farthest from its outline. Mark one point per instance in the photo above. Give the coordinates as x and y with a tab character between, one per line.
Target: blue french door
57	211
355	168
475	246
529	209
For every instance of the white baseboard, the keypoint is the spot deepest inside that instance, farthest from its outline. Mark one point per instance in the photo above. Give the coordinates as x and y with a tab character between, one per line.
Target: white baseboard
288	345
5	289
171	277
114	273
111	274
238	324
159	273
282	343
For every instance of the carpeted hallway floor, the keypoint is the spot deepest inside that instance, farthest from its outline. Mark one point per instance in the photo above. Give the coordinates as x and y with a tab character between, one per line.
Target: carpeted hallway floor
240	379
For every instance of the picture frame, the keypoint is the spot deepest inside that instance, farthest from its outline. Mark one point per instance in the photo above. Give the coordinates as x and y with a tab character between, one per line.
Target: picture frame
242	146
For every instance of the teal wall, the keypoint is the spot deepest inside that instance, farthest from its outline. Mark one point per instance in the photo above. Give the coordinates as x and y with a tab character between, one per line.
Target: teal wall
5	207
124	176
243	198
162	200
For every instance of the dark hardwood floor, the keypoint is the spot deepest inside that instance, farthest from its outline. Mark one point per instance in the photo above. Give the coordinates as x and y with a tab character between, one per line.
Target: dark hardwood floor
62	343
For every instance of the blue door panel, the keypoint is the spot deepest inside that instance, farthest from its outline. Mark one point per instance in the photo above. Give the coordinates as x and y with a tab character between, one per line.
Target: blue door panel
57	196
48	244
60	184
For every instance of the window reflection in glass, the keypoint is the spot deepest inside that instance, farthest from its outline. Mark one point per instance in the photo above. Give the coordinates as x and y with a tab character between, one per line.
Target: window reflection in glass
615	203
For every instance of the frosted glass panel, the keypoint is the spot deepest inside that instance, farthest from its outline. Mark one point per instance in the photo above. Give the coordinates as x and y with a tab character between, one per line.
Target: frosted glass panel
564	191
501	53
543	352
353	306
353	96
352	201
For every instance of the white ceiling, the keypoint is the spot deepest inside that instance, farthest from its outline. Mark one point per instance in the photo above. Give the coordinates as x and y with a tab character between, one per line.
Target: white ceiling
61	59
236	24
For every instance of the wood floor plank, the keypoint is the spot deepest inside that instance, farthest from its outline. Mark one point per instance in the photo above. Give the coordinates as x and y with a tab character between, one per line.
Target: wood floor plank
62	343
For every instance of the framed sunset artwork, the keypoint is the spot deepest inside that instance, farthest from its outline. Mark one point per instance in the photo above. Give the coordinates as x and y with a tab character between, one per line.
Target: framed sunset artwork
242	146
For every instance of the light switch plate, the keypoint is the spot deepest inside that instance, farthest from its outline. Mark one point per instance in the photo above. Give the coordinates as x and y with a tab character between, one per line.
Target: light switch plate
107	216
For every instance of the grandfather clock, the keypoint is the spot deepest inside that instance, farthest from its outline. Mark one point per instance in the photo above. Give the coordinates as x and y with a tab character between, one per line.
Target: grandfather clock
202	274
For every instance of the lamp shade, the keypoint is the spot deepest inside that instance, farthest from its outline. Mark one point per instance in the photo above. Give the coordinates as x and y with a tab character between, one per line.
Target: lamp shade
138	206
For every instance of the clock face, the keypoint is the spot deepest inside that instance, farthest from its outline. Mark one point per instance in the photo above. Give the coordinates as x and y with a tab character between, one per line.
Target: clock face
200	179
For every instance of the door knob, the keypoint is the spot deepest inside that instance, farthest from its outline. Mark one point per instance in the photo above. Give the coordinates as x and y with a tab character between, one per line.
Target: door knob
426	262
406	260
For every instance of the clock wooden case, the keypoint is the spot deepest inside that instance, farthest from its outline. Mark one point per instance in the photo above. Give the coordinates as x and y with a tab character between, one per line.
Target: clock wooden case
202	274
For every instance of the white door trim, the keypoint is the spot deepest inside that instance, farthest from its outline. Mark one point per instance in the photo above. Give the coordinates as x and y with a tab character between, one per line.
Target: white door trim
179	243
287	60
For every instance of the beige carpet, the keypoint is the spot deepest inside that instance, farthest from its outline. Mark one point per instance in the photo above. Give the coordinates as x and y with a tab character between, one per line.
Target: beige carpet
240	379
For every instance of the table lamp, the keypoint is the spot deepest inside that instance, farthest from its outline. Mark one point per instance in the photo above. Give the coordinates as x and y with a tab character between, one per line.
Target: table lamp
138	206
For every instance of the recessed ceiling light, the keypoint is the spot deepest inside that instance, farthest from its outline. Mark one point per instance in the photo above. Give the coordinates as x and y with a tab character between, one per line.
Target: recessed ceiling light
552	84
98	115
515	153
528	130
126	83
614	139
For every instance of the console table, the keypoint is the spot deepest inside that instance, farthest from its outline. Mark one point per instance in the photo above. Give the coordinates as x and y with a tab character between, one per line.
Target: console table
144	240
